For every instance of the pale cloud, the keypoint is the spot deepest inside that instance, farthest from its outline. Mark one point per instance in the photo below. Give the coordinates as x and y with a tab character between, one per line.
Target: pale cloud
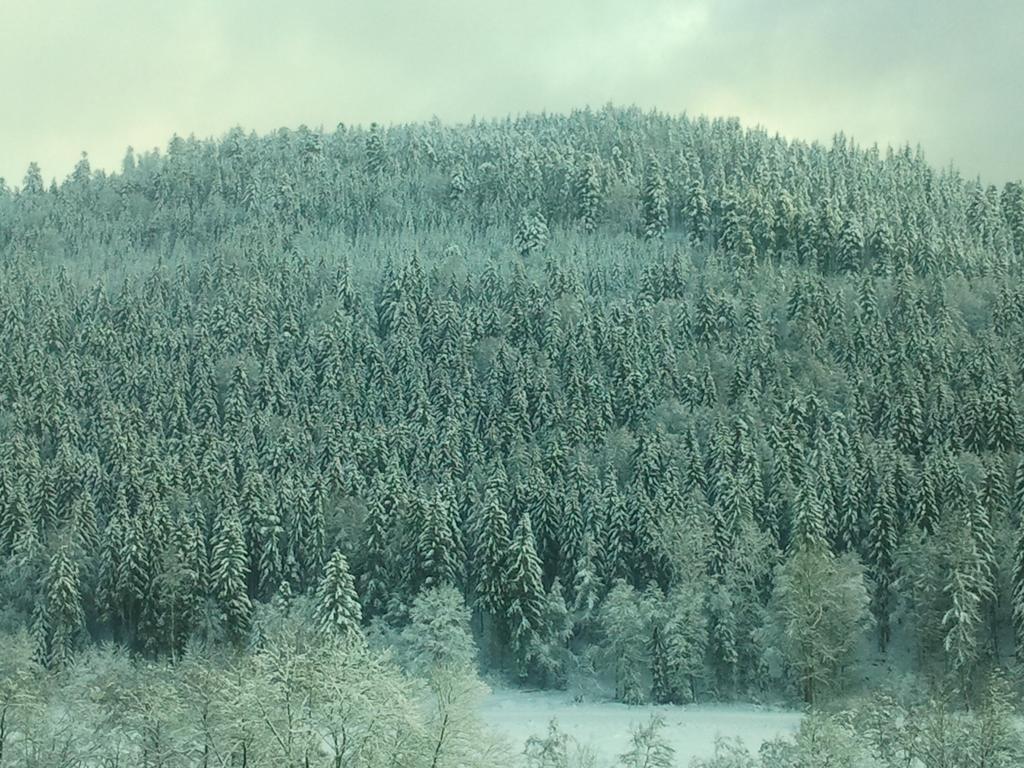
100	75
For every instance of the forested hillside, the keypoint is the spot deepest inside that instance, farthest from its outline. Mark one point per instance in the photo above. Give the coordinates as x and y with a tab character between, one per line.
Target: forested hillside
701	411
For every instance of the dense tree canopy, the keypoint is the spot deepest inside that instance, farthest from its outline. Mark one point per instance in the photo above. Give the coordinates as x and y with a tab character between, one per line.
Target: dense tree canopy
609	349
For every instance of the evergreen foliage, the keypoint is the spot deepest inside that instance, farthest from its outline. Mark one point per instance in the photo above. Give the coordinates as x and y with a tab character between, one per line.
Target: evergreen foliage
645	358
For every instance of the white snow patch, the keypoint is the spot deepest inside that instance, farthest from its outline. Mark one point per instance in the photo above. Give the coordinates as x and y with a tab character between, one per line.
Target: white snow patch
605	725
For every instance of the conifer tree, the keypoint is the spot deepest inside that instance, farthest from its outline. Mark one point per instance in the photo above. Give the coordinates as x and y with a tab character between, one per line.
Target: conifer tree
698	212
851	246
524	595
229	572
808	518
337	612
63	619
723	641
376	156
436	552
662	677
965	591
587	589
532	234
1017	500
883	541
552	656
375	577
308	531
492	548
1017	591
654	202
685	633
571	533
587	190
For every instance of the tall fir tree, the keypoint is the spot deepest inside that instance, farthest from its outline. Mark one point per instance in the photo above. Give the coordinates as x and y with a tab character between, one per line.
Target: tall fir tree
337	612
62	623
883	542
524	596
229	570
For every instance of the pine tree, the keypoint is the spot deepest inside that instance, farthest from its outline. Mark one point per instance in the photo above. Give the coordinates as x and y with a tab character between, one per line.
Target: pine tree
63	618
685	633
851	246
722	636
532	234
552	655
662	675
436	552
132	574
587	192
729	512
647	556
492	548
524	595
189	577
267	543
229	572
1004	421
337	612
587	588
307	534
883	541
965	591
979	525
376	155
375	578
698	212
570	534
1017	591
654	202
808	518
616	538
1017	502
736	238
926	508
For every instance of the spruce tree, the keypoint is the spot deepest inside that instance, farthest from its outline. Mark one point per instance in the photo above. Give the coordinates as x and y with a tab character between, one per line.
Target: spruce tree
63	618
966	591
524	595
808	518
1017	591
436	552
532	234
587	588
337	612
662	675
229	572
587	192
492	548
375	577
883	541
654	202
376	155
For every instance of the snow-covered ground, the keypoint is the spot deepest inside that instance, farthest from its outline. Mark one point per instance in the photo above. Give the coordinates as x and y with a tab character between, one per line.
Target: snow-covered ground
605	726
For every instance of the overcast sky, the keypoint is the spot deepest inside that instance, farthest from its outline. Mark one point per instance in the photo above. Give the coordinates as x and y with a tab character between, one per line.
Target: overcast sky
100	75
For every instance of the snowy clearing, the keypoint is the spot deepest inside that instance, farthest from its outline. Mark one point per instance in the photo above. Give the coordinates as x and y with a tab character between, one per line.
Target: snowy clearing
605	725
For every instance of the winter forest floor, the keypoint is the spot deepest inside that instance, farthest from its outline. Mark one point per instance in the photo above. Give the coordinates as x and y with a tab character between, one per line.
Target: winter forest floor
605	726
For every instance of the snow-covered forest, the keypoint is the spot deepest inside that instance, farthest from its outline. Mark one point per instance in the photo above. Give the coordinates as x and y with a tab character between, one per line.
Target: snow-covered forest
304	434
